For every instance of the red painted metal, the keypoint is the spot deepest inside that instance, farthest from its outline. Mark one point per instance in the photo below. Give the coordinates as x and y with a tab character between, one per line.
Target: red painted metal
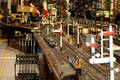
106	33
91	44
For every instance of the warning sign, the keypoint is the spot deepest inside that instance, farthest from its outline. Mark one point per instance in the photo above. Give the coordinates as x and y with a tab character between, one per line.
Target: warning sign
1	16
26	9
17	16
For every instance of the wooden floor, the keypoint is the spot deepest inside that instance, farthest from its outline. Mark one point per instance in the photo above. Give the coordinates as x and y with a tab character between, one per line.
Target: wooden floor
7	60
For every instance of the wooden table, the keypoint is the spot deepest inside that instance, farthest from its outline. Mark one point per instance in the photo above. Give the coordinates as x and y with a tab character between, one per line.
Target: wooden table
11	28
60	71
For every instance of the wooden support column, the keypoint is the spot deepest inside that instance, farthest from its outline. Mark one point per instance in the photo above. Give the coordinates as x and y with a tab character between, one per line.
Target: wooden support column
46	71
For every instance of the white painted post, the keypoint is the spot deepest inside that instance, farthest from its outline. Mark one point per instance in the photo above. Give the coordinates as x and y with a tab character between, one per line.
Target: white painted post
110	59
54	12
73	25
102	1
53	17
68	9
101	43
9	5
47	29
9	9
92	47
56	15
53	23
78	33
61	36
68	31
45	5
111	54
112	7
